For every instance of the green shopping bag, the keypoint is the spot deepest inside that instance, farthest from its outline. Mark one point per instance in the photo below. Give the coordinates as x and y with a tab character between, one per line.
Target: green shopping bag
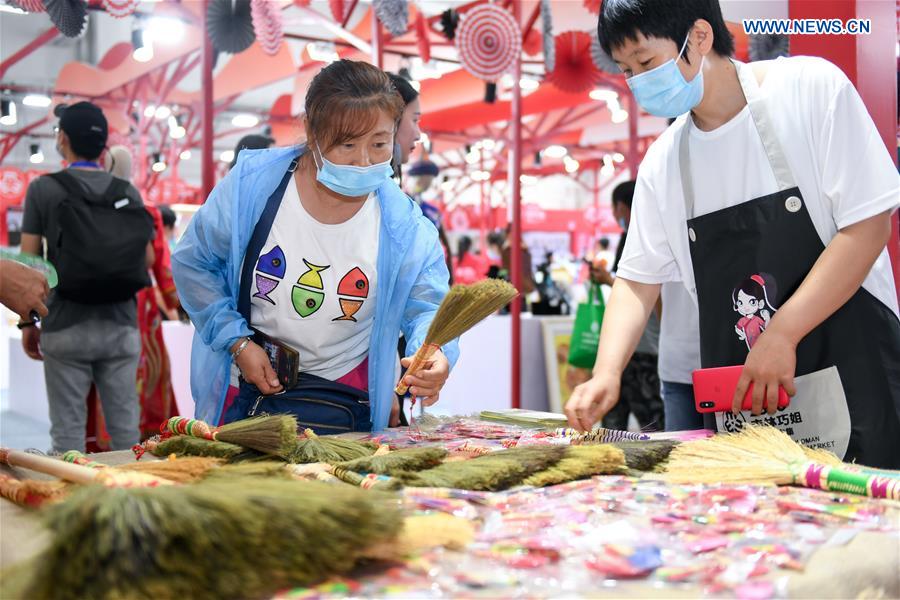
586	333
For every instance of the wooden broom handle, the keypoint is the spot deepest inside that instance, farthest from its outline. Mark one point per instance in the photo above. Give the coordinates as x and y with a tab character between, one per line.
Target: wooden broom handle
421	356
48	466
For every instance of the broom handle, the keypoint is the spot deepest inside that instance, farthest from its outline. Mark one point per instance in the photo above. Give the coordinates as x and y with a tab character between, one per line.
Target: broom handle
836	479
48	466
422	356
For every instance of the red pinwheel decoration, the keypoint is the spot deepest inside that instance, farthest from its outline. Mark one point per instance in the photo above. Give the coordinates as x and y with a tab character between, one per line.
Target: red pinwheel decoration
268	25
574	70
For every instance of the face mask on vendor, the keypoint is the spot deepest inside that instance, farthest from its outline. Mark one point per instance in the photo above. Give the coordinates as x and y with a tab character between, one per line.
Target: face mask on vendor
664	92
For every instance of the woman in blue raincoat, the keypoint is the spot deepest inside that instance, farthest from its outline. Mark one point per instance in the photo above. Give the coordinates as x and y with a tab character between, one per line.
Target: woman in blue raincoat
313	254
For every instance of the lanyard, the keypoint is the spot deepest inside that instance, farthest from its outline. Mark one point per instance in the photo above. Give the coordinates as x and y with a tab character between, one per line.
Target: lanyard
85	163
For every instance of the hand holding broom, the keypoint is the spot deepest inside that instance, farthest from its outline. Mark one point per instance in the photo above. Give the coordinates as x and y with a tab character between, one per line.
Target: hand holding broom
464	307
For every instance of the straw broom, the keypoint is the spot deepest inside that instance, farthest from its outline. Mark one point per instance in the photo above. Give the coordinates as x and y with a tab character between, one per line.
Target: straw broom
763	453
170	542
185	445
312	448
462	308
276	434
178	470
77	473
409	459
580	462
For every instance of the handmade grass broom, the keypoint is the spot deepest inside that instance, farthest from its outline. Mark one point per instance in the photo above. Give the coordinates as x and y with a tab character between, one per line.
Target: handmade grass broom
763	453
275	435
77	473
312	448
172	542
580	462
462	308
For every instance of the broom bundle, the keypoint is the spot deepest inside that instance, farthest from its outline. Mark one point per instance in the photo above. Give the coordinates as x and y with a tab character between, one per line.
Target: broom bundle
763	453
580	462
240	538
79	474
185	445
463	307
178	470
398	461
327	449
492	472
275	434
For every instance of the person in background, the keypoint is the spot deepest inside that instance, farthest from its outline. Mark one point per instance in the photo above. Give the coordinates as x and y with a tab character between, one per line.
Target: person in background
408	132
640	393
334	261
94	338
252	141
526	267
169	219
154	381
774	174
23	290
468	267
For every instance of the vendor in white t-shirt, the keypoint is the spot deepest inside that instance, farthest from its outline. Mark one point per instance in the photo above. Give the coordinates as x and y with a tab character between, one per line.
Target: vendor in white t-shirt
771	201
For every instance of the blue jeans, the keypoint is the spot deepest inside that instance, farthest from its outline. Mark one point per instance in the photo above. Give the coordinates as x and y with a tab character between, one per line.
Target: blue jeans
678	401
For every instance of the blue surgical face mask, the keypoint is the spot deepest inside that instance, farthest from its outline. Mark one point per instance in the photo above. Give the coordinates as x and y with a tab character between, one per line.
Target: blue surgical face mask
664	92
349	180
622	223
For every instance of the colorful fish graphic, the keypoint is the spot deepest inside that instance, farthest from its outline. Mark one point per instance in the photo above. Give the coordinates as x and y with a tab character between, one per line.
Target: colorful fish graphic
306	302
349	308
312	278
355	284
272	263
264	287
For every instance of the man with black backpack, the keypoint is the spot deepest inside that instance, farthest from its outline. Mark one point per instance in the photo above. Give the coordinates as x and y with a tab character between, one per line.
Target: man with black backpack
97	235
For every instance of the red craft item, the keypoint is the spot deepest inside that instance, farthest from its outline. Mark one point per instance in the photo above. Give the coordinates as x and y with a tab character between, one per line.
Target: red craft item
120	8
337	10
488	40
574	71
30	6
533	44
302	2
593	5
268	25
422	38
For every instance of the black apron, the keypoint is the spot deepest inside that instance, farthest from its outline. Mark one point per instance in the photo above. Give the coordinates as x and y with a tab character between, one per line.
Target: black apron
750	258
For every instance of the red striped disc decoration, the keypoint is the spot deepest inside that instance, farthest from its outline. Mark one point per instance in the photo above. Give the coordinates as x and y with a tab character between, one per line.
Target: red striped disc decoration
120	8
268	25
29	6
488	40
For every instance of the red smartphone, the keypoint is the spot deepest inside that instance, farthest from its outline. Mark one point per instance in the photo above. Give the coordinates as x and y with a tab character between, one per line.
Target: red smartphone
714	390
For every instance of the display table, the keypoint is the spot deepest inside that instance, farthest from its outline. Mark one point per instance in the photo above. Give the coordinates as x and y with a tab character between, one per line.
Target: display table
849	563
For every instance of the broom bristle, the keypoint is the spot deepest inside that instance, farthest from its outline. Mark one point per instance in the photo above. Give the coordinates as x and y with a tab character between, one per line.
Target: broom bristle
409	459
465	306
243	470
179	470
274	434
185	445
755	454
327	449
32	492
168	542
647	455
491	472
581	462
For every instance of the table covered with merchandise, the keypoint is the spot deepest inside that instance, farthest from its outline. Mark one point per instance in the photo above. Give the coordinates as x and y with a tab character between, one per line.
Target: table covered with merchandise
618	535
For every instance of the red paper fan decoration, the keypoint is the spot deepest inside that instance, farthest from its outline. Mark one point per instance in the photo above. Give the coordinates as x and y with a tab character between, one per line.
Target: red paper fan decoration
593	5
488	40
120	8
574	71
533	43
268	25
422	37
337	10
29	6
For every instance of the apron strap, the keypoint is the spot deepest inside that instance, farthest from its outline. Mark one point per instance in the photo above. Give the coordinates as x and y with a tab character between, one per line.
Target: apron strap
772	146
258	240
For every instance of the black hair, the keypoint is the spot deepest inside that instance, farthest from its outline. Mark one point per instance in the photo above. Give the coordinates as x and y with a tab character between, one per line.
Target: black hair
463	246
759	286
623	193
404	88
665	19
167	214
604	243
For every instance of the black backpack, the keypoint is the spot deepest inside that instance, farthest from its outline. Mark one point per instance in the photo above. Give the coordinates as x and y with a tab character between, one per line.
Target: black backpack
102	243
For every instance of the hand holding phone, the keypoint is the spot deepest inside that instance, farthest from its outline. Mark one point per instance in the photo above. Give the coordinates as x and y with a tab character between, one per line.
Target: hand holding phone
714	389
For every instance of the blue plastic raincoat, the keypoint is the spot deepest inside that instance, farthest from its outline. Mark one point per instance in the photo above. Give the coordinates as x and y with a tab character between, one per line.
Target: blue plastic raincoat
412	279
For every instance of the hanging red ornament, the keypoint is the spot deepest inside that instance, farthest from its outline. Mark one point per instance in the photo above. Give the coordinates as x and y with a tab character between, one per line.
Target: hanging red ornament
574	71
337	10
268	25
532	45
488	41
120	8
422	37
593	5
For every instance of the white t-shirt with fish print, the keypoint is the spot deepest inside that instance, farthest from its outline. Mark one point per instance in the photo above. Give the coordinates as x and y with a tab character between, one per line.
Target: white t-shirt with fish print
314	286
